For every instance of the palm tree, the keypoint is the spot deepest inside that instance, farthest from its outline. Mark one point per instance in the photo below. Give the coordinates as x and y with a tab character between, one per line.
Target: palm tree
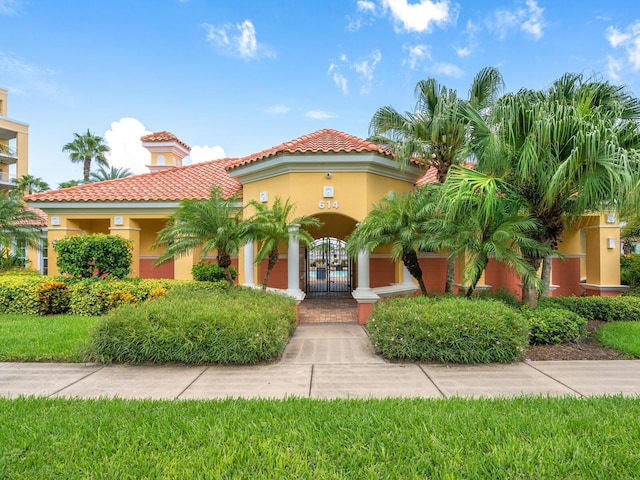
489	222
398	220
214	224
564	151
28	184
85	149
16	222
270	226
70	183
103	173
434	133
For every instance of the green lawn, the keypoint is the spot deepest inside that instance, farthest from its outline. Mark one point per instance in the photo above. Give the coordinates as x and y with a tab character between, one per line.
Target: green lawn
621	336
532	438
29	338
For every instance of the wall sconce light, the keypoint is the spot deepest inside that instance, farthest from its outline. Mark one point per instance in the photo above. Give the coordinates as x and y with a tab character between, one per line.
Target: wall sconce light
611	218
611	243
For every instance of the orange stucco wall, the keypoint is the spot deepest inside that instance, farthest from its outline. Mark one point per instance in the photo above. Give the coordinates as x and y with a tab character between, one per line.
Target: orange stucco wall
147	270
566	274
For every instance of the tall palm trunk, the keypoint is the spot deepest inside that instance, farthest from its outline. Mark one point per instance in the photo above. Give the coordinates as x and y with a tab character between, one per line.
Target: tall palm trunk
273	259
474	281
86	169
224	261
410	260
451	275
529	292
546	275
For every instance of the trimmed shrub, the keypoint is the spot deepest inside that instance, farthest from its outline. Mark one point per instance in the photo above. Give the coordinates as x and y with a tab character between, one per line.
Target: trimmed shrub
608	309
233	325
553	326
97	255
500	295
630	270
448	329
211	272
53	297
93	296
18	293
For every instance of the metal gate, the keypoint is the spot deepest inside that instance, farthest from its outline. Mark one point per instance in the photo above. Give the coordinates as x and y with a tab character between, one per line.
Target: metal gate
329	268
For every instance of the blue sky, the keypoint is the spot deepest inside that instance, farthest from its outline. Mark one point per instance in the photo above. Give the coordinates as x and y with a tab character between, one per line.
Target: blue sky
234	77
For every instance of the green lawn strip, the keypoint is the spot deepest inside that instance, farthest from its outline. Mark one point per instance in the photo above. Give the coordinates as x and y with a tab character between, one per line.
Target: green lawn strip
31	338
300	438
621	336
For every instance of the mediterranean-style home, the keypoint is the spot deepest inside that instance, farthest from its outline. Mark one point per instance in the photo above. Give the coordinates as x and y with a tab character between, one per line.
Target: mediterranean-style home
328	174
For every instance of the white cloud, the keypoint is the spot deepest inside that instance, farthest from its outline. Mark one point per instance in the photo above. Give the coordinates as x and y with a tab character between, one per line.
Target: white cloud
420	16
534	23
463	52
366	6
277	110
126	147
614	66
364	67
417	54
239	39
204	154
319	115
448	69
23	78
530	20
629	40
10	7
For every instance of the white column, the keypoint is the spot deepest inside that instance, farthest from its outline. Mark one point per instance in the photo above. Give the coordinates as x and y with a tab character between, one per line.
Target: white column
293	264
364	294
248	264
406	276
363	270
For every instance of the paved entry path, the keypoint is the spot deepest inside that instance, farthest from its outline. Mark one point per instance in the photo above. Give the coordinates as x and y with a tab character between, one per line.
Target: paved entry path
333	310
330	343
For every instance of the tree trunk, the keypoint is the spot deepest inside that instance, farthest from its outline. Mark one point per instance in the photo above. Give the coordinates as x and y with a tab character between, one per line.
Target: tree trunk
474	281
273	259
410	260
86	170
529	292
451	275
224	261
546	275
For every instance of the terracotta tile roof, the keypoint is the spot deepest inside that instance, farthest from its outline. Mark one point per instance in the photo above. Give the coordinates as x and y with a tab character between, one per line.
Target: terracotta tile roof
188	182
324	141
41	219
430	177
163	136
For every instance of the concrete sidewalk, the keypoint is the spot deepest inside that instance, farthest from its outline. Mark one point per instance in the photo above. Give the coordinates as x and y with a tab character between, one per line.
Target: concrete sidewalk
323	361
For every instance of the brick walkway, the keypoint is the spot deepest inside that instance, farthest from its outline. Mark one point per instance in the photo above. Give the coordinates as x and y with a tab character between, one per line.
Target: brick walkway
329	310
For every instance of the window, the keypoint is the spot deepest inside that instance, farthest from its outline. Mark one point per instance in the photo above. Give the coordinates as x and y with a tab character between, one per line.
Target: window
20	251
44	256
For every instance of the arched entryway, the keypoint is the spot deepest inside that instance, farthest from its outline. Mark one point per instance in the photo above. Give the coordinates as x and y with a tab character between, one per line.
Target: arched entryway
329	272
328	269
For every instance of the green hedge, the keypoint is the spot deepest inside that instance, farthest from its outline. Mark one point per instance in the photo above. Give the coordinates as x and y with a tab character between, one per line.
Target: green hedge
553	326
18	293
608	309
232	325
630	270
448	329
43	295
93	296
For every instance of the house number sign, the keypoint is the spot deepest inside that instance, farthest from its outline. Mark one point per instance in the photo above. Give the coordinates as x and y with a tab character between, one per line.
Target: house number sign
328	204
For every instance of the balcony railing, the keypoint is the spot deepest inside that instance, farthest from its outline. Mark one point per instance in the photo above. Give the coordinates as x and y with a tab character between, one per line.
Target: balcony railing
6	179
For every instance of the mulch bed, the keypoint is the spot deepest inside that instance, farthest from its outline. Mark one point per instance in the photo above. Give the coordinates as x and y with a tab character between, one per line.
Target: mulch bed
586	349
